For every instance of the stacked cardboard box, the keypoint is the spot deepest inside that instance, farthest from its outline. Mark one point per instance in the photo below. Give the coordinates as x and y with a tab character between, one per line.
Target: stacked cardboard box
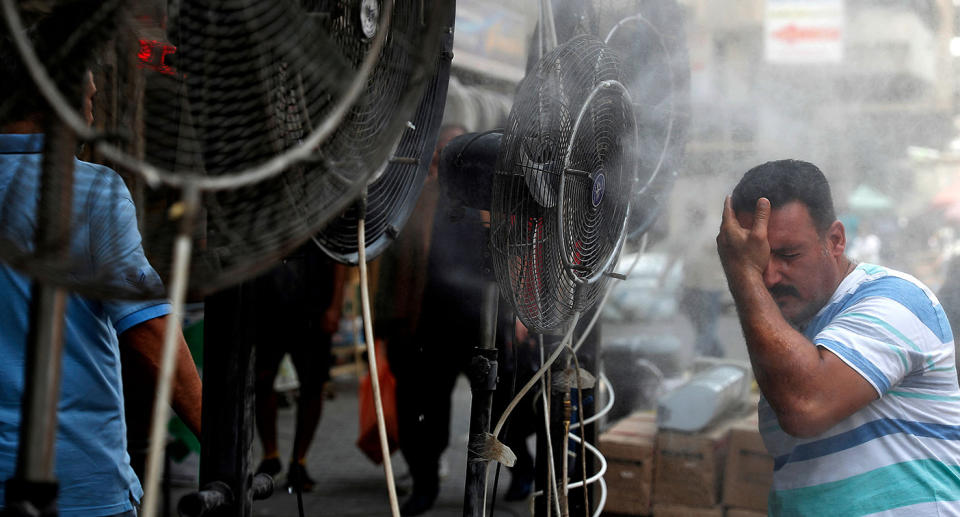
628	448
722	471
749	469
679	510
740	512
689	466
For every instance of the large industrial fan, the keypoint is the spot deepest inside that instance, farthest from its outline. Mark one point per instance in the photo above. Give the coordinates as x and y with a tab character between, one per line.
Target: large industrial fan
651	39
591	144
564	181
389	199
278	113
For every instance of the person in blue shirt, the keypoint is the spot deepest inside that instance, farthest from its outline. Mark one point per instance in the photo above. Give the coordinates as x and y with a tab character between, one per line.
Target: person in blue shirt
91	462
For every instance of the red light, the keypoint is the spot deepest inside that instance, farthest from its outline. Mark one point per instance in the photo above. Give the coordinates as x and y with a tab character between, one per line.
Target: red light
153	55
146	50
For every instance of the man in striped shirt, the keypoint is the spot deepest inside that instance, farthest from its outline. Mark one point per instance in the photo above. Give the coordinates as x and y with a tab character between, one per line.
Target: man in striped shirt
860	407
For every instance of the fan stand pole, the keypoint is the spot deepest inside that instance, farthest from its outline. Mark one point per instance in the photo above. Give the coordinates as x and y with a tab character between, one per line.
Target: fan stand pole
34	485
180	272
483	382
372	357
548	30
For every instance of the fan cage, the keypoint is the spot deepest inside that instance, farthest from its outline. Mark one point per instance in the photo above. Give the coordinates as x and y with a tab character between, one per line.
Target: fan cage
543	148
391	197
591	244
246	84
657	74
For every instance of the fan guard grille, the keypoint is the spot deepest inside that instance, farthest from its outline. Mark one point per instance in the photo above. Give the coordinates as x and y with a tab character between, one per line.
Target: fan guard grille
563	184
247	83
391	196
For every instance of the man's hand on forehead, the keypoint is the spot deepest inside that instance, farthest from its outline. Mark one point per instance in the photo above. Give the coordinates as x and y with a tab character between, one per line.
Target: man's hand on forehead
741	248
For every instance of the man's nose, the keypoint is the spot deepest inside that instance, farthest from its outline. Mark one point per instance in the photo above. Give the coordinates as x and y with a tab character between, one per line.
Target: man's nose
771	274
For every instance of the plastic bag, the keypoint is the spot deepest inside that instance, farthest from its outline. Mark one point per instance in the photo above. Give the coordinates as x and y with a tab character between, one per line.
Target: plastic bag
368	439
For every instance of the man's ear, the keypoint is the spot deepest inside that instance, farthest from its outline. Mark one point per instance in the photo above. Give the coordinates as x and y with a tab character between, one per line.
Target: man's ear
836	239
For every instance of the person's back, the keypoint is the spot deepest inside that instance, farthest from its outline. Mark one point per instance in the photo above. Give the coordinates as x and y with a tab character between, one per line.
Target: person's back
91	459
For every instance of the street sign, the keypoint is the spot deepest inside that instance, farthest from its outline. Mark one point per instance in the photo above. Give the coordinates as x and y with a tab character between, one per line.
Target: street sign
804	31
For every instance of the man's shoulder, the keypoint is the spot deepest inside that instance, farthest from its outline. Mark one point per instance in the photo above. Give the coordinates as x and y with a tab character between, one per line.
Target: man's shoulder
98	186
873	280
891	295
96	172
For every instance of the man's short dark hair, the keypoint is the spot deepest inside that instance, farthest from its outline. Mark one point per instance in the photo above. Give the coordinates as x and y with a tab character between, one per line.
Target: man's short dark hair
783	181
66	52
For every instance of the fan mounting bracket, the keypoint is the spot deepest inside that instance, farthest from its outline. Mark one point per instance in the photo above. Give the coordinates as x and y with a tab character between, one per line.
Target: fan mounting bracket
369	17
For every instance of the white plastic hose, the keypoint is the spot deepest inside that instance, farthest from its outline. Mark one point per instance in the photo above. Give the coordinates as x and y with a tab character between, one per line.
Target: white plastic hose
374	378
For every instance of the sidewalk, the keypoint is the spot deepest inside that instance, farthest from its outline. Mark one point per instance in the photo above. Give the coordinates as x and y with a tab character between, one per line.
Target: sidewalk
348	484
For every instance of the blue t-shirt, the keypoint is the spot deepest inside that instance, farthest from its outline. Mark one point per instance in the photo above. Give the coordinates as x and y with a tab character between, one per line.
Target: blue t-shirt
92	465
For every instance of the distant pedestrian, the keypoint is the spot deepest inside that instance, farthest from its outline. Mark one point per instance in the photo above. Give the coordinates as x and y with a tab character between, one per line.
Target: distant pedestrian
298	304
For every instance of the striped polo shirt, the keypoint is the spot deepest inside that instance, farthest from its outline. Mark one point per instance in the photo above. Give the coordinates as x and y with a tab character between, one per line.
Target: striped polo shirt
899	455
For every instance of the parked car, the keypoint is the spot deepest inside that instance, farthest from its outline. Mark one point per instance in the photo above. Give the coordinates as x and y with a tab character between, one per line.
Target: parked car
646	294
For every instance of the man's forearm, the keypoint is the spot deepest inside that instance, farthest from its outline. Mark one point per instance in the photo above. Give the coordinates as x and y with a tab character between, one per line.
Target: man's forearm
786	364
146	340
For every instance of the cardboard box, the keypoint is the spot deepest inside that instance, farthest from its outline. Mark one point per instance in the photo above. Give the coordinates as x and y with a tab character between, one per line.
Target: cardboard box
628	448
740	512
689	466
748	473
679	510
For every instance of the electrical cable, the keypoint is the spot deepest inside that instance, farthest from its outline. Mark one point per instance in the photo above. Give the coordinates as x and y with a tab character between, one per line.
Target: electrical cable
374	378
593	479
300	498
585	445
533	380
496	482
551	467
556	353
606	409
583	448
565	459
603	498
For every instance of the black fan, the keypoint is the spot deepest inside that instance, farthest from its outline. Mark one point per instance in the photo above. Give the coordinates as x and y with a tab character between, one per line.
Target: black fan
390	197
563	184
276	114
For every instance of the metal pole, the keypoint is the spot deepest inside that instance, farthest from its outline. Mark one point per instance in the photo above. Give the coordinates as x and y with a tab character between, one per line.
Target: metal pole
483	382
161	406
34	484
228	395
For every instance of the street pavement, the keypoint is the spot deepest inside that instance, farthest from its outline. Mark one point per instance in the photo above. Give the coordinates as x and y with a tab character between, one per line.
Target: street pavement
348	484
